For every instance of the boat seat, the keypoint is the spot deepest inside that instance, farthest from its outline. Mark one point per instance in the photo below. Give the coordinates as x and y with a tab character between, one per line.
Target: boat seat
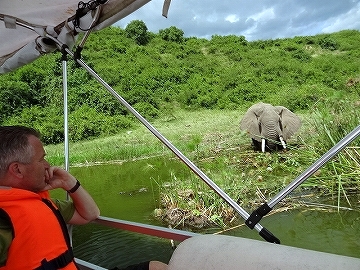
214	252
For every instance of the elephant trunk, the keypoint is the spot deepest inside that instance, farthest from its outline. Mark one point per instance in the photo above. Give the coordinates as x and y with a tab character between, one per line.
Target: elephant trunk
271	132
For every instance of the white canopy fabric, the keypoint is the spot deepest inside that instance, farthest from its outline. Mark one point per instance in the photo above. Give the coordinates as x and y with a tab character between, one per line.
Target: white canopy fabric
28	27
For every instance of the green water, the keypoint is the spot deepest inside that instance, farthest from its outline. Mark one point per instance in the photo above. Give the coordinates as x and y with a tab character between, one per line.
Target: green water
337	233
130	191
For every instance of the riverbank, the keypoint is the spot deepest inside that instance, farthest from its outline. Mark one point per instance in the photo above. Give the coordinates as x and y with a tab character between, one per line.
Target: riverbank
213	141
192	132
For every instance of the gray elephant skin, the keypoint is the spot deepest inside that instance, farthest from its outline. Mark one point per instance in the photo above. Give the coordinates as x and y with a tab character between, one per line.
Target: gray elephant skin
269	126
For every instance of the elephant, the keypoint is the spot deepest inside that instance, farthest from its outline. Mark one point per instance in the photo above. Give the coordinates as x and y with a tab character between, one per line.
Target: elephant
269	126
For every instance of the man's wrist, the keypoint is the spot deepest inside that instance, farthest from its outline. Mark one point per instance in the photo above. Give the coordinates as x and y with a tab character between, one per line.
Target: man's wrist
75	188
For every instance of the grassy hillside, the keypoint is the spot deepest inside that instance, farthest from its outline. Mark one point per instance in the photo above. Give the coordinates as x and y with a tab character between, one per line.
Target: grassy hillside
168	72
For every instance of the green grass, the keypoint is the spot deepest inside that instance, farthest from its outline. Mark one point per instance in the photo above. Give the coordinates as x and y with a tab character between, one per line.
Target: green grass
191	132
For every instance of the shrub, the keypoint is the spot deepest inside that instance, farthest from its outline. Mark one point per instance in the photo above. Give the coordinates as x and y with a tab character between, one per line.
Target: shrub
328	43
48	121
137	31
86	122
301	55
172	34
14	96
146	110
302	97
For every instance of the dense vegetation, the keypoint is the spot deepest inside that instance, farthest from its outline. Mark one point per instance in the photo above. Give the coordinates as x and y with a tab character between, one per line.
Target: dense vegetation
157	73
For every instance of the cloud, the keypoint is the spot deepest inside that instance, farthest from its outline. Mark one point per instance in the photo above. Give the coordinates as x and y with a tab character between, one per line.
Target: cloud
350	20
232	18
255	19
264	15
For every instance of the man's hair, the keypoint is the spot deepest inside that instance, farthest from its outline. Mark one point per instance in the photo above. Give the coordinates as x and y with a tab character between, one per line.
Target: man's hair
14	145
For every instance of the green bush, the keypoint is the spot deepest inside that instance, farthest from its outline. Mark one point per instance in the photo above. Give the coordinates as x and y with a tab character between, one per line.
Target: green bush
146	110
328	44
86	122
137	30
172	34
303	97
46	120
14	96
301	55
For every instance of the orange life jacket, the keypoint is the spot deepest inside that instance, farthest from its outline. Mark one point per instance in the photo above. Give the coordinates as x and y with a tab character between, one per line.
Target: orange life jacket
40	237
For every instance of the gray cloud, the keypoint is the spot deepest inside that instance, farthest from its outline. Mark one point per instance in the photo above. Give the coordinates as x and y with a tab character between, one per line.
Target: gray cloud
256	20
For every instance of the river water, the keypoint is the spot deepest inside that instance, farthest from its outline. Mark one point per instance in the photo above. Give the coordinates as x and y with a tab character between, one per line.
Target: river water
130	191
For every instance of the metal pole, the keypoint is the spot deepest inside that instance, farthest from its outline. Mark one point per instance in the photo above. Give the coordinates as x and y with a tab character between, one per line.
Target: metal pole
317	165
262	231
264	209
66	126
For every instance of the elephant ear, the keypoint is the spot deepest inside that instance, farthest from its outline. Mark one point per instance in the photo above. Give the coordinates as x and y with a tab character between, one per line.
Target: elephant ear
250	123
289	120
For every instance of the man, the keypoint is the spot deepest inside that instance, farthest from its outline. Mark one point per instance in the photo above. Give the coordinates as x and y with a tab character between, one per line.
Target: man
33	232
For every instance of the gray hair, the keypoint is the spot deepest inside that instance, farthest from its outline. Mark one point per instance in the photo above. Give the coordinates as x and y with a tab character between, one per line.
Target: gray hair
14	145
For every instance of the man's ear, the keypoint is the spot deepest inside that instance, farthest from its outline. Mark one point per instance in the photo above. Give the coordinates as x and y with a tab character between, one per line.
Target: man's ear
16	170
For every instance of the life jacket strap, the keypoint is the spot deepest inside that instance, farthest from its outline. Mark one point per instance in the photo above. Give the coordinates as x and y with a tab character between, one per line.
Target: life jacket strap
57	263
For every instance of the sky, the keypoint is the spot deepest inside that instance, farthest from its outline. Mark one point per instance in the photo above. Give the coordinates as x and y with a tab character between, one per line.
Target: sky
254	19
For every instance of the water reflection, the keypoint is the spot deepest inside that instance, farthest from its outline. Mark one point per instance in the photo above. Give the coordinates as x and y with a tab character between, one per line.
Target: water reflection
109	247
130	191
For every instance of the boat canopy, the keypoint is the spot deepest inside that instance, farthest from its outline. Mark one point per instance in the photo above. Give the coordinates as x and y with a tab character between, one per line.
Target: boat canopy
31	28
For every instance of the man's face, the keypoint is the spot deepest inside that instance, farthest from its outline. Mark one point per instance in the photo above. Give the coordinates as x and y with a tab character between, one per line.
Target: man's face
35	172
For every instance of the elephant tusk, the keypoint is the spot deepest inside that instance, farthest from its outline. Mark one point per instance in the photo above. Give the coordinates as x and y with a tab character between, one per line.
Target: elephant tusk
263	145
282	142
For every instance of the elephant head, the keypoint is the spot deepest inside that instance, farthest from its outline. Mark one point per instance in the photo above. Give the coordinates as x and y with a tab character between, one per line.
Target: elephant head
269	126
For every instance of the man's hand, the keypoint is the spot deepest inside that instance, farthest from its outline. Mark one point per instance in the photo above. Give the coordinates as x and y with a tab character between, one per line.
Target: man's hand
86	209
59	178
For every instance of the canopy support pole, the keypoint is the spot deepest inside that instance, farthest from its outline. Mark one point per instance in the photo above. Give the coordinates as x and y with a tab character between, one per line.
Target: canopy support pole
66	125
66	120
263	232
